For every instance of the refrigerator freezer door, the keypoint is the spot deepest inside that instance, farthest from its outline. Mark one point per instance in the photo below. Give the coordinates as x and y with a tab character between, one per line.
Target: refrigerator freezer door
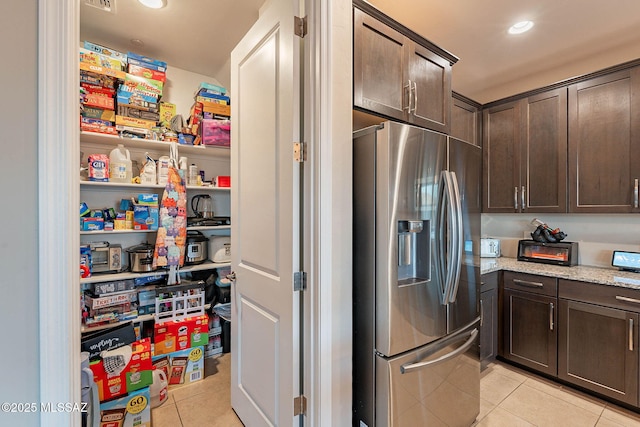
438	384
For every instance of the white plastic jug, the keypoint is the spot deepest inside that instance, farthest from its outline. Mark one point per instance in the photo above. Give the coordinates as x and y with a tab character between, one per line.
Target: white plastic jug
159	388
163	170
120	168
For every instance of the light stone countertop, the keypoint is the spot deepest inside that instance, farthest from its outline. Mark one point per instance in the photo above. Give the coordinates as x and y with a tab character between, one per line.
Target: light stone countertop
599	275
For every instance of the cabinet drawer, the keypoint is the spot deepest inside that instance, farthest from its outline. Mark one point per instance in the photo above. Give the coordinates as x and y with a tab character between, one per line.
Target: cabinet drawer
531	283
489	281
609	296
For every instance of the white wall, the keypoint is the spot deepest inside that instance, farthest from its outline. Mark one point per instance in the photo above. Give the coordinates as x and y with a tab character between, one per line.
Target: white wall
597	234
181	86
19	242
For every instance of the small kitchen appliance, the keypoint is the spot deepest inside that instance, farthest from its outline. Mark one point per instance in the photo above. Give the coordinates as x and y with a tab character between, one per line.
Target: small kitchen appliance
220	248
197	247
202	206
564	253
489	248
106	258
141	258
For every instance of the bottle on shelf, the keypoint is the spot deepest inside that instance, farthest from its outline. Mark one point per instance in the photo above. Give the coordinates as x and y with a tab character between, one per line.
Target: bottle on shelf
120	167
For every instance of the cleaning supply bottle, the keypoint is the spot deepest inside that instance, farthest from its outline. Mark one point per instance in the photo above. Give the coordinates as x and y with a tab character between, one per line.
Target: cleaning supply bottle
120	167
159	388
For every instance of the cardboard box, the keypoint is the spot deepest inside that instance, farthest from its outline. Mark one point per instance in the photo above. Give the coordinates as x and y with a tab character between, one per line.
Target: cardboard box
222	181
107	339
100	60
113	286
133	410
97	100
135	375
92	224
148	199
136	100
137	113
145	217
145	61
85	66
180	335
219	109
98	128
92	88
147	73
216	132
182	367
122	57
136	123
146	86
96	79
210	87
110	300
167	111
98	113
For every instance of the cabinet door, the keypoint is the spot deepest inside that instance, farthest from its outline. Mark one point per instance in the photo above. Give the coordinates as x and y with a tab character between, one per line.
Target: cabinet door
378	67
430	76
489	327
598	349
465	121
501	129
604	142
530	336
543	166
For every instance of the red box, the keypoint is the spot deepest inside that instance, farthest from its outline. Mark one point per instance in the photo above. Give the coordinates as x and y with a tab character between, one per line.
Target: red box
216	132
137	373
98	100
147	73
222	181
179	335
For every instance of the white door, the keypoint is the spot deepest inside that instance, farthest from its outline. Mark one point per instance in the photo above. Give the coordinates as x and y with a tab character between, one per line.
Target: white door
265	206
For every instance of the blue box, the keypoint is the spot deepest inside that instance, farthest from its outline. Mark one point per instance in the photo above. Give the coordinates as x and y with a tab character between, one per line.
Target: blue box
144	61
145	217
148	199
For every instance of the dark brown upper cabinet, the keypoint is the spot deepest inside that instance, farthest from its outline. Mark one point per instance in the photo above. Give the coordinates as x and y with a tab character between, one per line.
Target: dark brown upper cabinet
525	154
465	119
604	140
397	74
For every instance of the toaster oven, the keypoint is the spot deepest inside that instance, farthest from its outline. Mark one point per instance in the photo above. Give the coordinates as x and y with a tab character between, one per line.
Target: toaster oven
106	258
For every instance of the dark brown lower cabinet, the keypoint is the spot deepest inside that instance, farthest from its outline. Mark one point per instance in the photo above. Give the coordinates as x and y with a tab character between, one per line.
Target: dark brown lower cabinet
489	325
529	321
598	349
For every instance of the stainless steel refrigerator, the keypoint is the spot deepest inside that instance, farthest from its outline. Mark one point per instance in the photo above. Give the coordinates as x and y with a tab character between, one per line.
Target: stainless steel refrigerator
416	278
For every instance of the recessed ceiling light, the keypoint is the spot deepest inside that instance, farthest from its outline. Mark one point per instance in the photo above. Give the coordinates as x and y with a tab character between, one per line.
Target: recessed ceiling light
521	27
154	4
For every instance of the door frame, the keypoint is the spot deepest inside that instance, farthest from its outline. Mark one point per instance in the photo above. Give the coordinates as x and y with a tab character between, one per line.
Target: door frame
327	372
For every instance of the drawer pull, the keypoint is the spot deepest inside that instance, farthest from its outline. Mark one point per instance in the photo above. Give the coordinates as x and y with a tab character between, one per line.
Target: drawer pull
627	299
630	334
531	284
515	197
551	316
635	193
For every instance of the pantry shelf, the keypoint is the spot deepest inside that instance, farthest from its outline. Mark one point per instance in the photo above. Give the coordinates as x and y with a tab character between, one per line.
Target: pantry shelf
111	232
119	185
128	275
139	319
149	144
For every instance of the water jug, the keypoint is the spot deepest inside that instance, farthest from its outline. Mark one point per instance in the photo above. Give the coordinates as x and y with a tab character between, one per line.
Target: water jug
120	168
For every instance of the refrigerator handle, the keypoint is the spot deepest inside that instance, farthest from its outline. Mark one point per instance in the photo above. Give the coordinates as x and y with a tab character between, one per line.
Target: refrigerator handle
457	238
449	262
409	367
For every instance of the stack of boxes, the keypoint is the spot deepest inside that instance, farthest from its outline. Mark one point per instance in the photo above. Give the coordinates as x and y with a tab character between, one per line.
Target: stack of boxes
100	69
120	94
138	96
210	113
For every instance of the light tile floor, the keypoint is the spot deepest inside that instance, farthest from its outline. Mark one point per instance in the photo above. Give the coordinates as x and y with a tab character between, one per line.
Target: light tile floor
509	397
512	397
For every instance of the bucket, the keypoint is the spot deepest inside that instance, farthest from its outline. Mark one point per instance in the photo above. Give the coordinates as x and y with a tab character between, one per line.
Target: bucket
120	168
159	388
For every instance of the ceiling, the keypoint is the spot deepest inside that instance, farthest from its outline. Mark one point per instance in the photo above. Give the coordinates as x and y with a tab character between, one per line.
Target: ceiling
570	37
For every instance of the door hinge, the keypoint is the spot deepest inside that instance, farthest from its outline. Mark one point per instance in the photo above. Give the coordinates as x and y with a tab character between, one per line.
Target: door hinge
299	281
300	25
300	152
299	405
